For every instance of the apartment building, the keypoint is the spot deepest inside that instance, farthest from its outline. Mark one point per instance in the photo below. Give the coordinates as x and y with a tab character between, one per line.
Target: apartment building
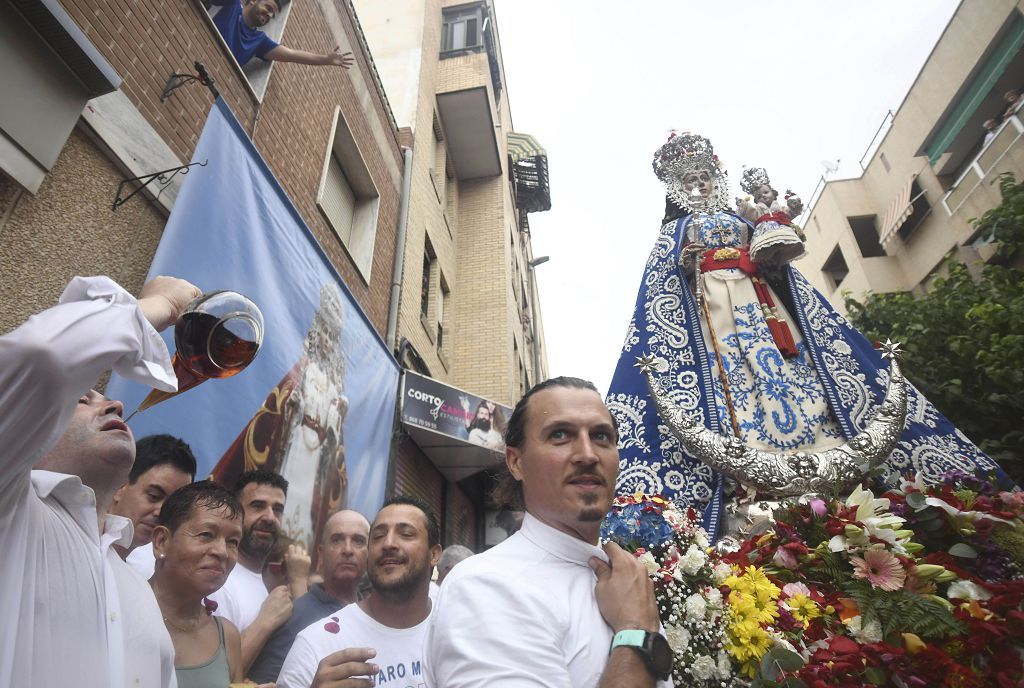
930	169
468	324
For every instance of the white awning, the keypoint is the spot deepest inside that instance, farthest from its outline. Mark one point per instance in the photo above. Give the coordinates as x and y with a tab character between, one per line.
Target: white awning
899	210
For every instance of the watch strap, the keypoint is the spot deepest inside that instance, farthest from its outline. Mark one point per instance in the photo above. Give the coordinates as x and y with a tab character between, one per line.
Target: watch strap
630	638
644	642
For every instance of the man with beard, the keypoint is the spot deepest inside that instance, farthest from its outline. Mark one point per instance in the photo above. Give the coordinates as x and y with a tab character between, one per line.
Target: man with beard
389	625
482	431
548	607
342	554
244	599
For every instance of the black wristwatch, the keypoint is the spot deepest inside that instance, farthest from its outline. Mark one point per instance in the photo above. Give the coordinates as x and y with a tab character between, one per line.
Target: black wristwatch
652	646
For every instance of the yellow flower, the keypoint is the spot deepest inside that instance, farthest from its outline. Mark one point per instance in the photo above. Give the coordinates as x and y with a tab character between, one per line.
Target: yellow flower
743	606
913	643
744	628
766	591
803	608
767	610
756	576
759	643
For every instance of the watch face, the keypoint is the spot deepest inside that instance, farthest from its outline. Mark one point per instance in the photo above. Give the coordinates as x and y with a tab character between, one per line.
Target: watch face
661	656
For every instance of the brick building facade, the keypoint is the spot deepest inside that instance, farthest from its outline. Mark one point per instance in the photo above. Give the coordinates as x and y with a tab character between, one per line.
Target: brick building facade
65	226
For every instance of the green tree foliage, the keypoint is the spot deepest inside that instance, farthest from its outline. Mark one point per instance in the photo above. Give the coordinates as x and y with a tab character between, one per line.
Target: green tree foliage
964	339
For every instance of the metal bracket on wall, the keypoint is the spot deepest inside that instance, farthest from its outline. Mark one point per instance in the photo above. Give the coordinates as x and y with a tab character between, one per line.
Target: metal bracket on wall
176	81
164	177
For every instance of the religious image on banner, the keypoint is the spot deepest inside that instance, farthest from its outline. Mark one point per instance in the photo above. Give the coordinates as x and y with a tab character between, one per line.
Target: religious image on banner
298	430
317	404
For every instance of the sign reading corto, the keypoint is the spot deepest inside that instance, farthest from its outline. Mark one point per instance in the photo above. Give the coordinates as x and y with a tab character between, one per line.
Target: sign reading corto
430	404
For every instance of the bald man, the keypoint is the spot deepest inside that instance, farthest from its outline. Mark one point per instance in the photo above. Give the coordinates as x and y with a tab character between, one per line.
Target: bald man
451	556
342	553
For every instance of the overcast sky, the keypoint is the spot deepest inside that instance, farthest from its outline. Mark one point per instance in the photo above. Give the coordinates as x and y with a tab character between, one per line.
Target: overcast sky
780	85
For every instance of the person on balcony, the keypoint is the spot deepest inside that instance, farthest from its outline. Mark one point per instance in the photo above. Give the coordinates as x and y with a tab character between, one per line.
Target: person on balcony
991	127
239	24
1014	100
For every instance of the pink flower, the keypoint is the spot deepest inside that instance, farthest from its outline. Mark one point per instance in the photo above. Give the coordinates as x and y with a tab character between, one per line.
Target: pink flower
880	568
790	589
818	507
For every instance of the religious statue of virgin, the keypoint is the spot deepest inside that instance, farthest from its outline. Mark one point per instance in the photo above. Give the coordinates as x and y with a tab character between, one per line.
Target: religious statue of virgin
736	373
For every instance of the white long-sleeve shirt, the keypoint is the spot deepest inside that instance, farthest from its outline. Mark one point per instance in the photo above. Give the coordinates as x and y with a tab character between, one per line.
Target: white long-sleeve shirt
71	613
523	614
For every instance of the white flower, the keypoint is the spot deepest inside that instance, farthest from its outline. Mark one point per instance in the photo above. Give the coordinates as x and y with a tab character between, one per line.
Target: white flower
678	638
714	597
864	633
703	668
874	514
701	538
696	607
649	563
721	572
967	590
724	666
693	560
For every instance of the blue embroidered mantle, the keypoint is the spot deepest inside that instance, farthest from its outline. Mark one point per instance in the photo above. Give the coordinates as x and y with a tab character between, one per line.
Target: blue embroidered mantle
665	323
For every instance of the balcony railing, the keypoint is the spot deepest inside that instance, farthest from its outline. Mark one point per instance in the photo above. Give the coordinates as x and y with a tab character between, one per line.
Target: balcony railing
1003	153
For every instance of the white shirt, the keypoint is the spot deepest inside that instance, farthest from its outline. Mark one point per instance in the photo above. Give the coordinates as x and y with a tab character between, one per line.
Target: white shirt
143	625
142	560
240	599
63	589
521	614
400	657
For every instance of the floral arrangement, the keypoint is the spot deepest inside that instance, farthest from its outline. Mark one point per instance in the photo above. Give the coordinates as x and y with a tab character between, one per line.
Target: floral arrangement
674	548
920	586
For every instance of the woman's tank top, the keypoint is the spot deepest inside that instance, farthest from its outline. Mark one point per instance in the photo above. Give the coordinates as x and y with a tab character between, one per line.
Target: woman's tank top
214	673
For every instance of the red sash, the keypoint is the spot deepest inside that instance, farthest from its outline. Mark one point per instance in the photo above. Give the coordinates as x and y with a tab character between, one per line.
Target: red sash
781	218
724	258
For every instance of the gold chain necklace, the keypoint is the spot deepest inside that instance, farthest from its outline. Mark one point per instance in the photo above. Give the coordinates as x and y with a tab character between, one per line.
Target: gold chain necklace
176	627
198	620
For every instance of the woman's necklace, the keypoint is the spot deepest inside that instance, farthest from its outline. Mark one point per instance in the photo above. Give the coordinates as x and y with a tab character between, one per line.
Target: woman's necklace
191	628
197	621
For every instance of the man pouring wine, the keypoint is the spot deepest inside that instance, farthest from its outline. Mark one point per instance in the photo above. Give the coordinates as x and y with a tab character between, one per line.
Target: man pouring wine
67	587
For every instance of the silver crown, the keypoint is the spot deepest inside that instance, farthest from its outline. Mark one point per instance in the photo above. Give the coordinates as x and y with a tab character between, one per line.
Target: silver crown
684	154
753	179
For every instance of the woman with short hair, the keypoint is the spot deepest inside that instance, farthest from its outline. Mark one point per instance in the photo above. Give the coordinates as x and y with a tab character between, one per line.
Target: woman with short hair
196	546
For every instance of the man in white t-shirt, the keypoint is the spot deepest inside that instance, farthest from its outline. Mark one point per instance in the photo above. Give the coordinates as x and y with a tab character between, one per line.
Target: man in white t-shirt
548	607
388	627
244	600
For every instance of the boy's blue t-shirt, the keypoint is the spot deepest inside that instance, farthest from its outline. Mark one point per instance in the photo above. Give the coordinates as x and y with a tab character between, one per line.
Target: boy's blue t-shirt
244	41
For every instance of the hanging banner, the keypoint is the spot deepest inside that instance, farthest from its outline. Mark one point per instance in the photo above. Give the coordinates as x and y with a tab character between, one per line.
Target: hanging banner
318	403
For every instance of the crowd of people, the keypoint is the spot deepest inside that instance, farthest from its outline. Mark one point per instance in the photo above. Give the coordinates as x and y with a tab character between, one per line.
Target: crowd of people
122	570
